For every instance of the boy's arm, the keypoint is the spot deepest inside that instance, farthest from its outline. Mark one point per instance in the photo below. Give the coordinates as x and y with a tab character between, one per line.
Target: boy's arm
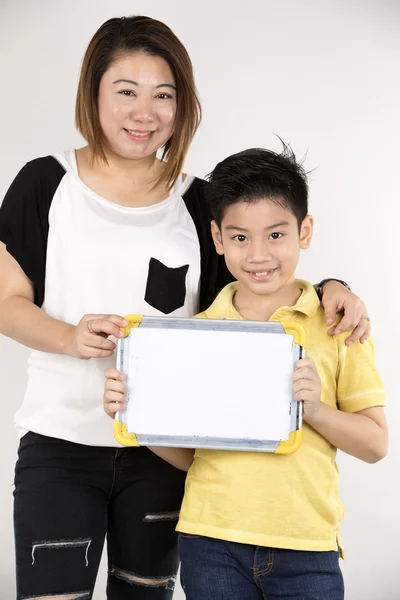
181	458
362	434
115	391
359	426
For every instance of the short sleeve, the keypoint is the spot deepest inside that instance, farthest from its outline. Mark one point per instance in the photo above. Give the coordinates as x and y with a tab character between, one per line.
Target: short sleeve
24	220
359	384
214	272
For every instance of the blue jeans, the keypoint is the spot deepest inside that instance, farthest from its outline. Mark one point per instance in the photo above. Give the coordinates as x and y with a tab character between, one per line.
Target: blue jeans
213	569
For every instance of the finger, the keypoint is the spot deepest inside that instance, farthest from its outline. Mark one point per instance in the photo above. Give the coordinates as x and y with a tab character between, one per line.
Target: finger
87	352
112	409
106	326
115	386
305	362
351	318
366	335
112	396
116	319
358	332
330	308
304	384
114	374
305	396
96	341
305	373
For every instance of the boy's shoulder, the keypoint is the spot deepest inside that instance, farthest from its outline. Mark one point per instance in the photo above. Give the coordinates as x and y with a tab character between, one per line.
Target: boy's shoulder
222	307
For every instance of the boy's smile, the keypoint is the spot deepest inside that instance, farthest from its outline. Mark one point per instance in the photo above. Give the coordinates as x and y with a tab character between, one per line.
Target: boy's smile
261	243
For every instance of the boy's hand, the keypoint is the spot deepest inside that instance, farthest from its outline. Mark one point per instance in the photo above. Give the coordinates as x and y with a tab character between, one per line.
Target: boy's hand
307	388
115	392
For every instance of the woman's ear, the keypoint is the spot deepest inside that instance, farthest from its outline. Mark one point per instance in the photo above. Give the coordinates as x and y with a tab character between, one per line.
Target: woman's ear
217	237
306	232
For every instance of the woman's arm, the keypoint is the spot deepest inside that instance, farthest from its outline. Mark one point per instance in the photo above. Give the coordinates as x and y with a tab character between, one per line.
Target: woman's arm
26	323
336	298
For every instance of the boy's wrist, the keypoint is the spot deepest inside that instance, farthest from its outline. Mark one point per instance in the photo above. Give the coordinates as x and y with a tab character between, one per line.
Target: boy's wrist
317	416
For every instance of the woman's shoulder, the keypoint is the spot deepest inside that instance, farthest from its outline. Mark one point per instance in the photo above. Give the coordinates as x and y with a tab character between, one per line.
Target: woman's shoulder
194	189
40	172
34	186
45	166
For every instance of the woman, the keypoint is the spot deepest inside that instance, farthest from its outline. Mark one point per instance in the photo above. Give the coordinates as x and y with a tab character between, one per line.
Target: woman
86	236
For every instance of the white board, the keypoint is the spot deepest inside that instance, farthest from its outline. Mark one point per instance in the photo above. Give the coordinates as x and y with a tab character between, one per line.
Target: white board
209	383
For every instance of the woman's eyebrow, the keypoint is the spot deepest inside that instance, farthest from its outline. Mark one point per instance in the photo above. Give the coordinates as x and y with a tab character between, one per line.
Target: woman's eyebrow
136	83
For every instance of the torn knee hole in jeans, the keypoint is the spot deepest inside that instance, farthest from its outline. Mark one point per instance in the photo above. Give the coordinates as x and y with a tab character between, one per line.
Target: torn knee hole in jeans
171	515
167	581
62	544
73	596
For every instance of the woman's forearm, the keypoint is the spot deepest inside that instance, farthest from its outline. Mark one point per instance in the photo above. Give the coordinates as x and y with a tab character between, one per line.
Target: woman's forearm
26	323
353	433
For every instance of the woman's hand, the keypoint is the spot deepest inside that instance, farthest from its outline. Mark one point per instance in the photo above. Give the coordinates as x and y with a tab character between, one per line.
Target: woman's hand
307	388
89	339
337	298
115	392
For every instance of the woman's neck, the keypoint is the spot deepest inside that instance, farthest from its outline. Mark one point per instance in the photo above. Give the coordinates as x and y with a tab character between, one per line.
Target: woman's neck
123	181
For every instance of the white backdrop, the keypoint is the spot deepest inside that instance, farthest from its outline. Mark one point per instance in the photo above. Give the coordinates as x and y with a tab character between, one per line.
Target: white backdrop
324	75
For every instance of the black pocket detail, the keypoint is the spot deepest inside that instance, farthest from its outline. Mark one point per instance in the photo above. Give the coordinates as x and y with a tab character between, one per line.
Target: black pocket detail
166	287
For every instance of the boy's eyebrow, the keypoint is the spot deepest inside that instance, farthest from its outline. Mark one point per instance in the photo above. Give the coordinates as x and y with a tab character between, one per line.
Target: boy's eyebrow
136	83
235	227
279	224
273	226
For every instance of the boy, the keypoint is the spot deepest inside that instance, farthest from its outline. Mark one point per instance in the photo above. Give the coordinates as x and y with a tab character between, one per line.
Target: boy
256	525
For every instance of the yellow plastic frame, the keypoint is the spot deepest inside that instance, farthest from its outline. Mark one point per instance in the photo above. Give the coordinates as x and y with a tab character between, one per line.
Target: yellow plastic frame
120	432
286	447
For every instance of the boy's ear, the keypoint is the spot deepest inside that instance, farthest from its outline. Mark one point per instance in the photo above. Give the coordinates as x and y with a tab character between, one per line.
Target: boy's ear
217	237
306	232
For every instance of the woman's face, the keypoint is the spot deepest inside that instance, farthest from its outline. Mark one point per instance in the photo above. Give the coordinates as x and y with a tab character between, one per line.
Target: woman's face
137	105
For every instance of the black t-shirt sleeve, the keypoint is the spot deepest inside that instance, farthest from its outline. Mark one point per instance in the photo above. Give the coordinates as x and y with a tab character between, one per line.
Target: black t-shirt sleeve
24	223
214	273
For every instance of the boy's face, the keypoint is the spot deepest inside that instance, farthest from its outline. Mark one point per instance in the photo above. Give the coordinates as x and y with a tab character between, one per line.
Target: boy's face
261	244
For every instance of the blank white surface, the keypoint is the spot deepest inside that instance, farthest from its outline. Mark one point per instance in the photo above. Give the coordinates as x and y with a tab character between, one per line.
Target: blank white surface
209	383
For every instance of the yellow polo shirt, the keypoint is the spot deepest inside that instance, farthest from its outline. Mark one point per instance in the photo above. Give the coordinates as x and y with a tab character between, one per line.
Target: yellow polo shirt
283	501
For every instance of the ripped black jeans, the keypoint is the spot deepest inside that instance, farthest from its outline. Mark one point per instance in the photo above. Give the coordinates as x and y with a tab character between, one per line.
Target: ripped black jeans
68	497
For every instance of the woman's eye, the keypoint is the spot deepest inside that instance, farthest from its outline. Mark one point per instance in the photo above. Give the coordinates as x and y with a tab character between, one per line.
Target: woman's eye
240	238
164	96
129	93
275	236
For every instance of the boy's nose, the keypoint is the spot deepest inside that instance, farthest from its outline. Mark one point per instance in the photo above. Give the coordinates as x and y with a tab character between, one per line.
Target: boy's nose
259	253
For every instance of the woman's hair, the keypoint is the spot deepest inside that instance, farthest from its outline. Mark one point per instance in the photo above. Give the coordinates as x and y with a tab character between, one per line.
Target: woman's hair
116	38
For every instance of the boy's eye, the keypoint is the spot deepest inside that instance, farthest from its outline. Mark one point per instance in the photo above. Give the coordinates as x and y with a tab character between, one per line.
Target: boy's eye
240	238
275	236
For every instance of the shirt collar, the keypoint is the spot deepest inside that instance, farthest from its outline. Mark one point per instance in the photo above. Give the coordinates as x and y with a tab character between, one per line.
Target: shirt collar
223	307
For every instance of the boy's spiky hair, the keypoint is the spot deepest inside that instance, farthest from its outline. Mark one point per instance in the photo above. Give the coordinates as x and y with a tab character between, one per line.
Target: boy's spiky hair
257	174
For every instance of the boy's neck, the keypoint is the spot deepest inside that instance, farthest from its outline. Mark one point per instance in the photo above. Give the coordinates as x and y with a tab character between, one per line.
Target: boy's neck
261	307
